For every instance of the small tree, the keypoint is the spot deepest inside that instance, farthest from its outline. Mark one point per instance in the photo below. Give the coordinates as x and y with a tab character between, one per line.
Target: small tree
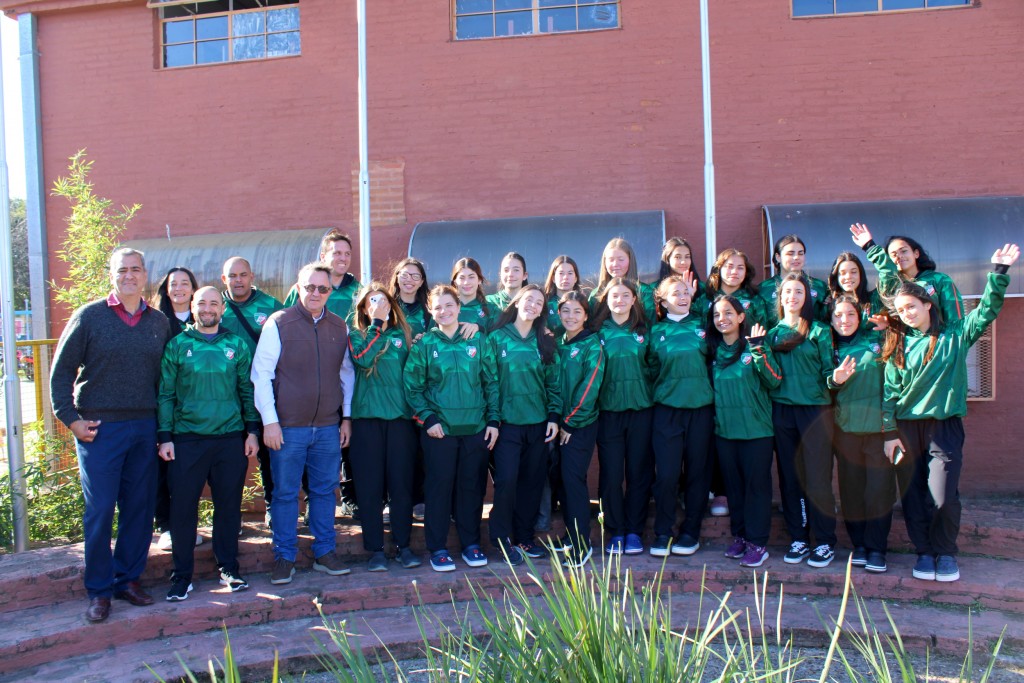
94	231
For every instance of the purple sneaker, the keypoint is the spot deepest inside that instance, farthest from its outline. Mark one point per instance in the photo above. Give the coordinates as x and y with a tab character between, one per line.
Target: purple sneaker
755	556
736	550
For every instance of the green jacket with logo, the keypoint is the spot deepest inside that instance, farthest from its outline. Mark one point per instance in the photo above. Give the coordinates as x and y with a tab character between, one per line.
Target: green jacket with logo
937	390
498	302
627	374
475	312
678	358
445	383
806	368
938	285
256	310
858	400
743	407
417	316
646	295
340	300
580	377
205	387
769	294
528	391
554	321
753	307
379	359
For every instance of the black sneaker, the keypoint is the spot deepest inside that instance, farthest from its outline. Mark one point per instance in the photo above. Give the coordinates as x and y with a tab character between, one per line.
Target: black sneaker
686	545
875	562
407	558
821	557
946	568
798	552
660	547
180	588
378	562
924	568
514	557
859	557
233	581
533	550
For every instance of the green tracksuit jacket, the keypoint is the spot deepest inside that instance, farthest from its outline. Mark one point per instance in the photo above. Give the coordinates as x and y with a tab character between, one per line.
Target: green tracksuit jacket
753	306
858	400
445	383
769	294
938	285
474	312
379	359
554	321
678	359
417	316
743	408
339	302
627	375
498	302
256	309
580	377
528	390
205	387
646	294
806	368
937	390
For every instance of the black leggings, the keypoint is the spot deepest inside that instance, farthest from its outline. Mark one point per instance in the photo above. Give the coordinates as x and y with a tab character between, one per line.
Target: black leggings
929	478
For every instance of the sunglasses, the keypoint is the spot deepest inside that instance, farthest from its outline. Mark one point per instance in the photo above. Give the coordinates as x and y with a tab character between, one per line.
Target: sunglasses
323	289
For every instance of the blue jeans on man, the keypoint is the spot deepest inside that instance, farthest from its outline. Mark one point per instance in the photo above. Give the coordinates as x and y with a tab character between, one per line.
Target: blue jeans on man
118	468
317	450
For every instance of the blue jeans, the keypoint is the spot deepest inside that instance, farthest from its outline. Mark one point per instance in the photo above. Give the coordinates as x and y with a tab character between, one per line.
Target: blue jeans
317	450
118	468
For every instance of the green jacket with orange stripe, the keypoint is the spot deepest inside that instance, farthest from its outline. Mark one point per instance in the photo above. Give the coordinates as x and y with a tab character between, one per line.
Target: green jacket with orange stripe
743	408
379	358
938	285
580	374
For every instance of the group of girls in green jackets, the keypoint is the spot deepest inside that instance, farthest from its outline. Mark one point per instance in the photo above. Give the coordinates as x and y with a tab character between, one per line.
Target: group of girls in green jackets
670	381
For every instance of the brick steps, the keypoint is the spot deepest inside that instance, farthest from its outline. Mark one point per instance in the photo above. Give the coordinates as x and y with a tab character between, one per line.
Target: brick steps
295	640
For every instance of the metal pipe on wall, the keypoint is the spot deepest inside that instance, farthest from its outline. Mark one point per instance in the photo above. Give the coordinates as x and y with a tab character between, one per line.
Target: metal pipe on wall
710	230
365	251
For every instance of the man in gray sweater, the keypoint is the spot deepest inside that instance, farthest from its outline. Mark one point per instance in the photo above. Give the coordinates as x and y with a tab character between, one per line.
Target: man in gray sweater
103	386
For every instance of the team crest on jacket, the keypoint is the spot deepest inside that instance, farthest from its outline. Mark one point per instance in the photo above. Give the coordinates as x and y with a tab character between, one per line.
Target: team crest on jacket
746	304
575	352
814	294
639	338
471	350
261	318
747	359
481	313
701	333
876	349
930	289
230	353
397	343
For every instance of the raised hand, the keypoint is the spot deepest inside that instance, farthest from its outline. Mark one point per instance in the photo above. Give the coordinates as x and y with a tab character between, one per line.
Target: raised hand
691	283
1006	256
880	321
844	370
860	233
757	331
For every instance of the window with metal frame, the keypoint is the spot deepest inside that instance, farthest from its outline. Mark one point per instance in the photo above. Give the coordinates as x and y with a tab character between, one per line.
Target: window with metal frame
475	19
217	31
817	8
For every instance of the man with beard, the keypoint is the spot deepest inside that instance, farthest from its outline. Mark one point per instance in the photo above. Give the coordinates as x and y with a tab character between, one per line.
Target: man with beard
207	428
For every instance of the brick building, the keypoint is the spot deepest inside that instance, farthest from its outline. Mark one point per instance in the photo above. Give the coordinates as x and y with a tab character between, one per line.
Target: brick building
862	105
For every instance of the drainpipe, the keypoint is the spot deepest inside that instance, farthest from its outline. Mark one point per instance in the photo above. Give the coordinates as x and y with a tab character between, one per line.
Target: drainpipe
710	232
365	257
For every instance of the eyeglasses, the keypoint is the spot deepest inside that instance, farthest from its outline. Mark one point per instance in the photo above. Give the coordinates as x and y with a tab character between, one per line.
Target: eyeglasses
411	277
323	289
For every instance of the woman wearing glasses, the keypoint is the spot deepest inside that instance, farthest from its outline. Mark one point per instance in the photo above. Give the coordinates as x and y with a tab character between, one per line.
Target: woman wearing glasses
408	287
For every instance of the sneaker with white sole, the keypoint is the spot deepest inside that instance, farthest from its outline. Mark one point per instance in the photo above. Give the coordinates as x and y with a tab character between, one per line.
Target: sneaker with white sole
234	581
329	563
661	546
754	556
419	511
180	588
474	557
719	506
924	568
798	552
821	557
164	542
282	572
407	558
574	558
441	561
875	562
686	545
737	549
946	568
859	556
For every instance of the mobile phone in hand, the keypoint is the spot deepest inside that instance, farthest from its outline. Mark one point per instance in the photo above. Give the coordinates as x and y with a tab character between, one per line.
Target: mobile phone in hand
897	455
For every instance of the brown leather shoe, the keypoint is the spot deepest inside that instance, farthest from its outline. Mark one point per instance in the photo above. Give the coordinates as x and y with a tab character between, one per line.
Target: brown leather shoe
134	594
99	610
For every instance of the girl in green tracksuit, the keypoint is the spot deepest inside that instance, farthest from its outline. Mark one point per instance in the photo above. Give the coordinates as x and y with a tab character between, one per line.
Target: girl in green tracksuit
624	424
408	287
677	259
866	480
619	261
520	357
926	393
732	274
682	420
512	276
743	371
788	257
847	277
801	407
903	259
455	403
581	372
563	277
475	314
383	436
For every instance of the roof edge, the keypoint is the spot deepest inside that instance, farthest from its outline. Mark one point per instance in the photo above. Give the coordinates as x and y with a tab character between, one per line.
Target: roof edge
16	7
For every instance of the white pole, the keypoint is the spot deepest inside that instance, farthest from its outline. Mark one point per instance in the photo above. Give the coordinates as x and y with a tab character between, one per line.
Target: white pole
12	383
710	232
365	258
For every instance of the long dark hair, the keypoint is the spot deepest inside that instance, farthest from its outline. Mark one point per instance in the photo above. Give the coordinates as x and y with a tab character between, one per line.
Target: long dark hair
666	253
713	335
714	283
396	318
924	261
896	333
545	342
550	288
783	241
163	299
637	321
421	292
472	264
522	261
835	290
803	328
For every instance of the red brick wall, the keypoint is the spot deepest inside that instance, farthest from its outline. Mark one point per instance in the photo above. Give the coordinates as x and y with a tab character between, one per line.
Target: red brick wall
853	108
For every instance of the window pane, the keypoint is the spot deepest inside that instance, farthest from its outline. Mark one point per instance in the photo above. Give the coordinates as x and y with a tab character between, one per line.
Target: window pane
212	51
902	4
178	32
846	6
599	16
555	20
248	24
947	3
213	27
179	55
470	6
283	19
558	3
513	23
283	44
804	8
253	47
476	26
512	4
